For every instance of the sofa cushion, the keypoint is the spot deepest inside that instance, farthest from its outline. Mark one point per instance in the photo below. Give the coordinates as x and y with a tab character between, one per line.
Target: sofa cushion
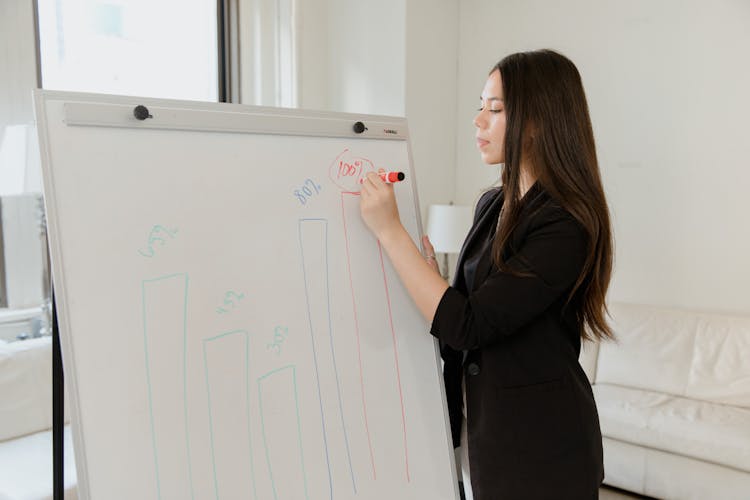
25	387
720	369
699	429
683	353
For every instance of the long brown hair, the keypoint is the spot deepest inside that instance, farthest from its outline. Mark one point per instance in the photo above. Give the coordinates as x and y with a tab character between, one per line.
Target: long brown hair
548	123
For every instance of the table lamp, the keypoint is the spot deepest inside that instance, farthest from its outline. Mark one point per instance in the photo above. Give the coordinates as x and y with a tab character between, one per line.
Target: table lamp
447	227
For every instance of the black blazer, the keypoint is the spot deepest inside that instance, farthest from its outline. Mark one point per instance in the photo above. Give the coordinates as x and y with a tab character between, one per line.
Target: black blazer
533	427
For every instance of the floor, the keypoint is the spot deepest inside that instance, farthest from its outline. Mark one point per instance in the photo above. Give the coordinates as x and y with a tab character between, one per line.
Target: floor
610	493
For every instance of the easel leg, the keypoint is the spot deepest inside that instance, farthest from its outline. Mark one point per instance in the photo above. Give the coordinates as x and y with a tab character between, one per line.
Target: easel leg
58	412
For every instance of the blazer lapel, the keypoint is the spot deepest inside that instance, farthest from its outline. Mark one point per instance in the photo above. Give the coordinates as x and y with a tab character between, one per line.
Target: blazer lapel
458	280
486	263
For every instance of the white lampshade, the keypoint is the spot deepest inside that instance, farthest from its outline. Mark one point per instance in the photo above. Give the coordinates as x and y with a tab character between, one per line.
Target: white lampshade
447	227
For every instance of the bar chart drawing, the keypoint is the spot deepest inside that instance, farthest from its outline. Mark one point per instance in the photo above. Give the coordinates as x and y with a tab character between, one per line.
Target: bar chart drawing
313	239
276	389
164	303
226	360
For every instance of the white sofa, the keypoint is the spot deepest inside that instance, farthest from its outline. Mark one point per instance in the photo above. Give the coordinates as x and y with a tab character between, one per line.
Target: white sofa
673	396
26	423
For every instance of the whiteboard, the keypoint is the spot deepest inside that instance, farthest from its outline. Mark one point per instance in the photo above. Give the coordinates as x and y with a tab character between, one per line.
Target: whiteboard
230	328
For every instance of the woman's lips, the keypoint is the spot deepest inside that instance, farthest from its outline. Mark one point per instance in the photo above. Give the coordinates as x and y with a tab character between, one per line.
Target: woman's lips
481	143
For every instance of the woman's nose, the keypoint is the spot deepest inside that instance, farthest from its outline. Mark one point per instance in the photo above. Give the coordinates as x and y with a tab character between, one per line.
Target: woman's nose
478	122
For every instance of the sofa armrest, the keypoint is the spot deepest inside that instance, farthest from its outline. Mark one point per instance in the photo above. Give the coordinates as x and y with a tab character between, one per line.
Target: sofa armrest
25	387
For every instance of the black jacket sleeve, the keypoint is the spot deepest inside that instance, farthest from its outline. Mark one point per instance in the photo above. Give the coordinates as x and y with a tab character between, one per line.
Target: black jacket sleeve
553	251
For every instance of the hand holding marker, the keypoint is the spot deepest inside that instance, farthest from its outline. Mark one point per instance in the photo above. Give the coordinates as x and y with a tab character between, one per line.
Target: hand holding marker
389	177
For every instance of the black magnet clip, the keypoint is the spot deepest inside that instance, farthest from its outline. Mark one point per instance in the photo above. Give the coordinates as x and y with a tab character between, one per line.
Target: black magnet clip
141	112
359	127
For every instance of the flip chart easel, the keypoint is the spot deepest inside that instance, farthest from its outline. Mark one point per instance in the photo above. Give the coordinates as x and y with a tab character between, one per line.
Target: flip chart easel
229	326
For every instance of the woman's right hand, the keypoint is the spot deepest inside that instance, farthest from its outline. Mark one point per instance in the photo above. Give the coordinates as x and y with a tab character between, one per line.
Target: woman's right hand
430	254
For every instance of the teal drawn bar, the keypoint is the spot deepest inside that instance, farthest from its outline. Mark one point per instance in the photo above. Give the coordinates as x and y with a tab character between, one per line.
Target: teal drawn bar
247	406
299	429
184	378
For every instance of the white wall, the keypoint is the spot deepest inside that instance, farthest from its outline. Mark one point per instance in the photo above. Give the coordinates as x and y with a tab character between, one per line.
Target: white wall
667	84
312	54
351	55
366	56
17	62
431	89
23	250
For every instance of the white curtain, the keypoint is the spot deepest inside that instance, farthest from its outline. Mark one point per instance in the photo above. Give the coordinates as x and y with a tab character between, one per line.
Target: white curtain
268	52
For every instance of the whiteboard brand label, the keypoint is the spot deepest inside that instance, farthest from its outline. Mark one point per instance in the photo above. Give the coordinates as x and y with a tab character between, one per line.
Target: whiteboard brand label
390	131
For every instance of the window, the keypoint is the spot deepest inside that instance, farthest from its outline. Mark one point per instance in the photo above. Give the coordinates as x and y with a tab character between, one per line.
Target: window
164	48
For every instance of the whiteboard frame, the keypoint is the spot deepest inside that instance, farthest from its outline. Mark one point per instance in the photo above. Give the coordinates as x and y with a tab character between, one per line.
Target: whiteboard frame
104	110
121	115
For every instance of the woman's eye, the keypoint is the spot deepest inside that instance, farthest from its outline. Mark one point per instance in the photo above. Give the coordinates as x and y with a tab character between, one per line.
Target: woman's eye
495	110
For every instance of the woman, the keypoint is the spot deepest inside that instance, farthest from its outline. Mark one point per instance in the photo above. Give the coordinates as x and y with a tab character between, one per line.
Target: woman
530	284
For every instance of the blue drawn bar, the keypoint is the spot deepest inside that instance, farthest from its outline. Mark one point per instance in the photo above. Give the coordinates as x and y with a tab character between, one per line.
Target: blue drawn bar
286	479
164	344
313	238
226	359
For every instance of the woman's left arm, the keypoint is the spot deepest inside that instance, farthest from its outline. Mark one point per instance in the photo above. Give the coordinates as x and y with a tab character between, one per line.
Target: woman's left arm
420	277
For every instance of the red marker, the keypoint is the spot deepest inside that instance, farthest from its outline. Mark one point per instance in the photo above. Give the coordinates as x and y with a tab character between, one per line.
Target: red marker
389	177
